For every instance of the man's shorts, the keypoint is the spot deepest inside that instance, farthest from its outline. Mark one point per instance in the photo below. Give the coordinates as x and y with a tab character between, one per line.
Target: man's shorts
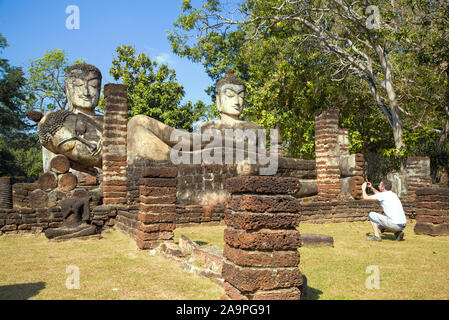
385	222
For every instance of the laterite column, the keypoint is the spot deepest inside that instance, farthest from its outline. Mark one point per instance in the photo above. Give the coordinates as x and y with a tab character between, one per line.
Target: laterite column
114	144
327	157
261	240
157	209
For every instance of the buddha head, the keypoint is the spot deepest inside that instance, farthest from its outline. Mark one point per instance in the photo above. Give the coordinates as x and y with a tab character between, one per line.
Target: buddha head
83	86
230	95
74	135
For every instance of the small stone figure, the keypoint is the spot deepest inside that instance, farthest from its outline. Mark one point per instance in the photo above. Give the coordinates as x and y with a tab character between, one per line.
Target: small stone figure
76	214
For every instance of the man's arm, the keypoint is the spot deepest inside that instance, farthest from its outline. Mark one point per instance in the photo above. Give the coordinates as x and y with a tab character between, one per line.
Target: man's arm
365	196
374	190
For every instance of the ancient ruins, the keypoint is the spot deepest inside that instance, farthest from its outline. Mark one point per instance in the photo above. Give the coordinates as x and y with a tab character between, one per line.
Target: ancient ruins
105	171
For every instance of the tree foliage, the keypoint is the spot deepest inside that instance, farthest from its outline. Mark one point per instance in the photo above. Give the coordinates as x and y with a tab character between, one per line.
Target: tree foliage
299	56
153	89
20	153
46	83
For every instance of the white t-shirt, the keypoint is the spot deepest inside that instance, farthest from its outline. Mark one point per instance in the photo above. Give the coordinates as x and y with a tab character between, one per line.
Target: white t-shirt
392	206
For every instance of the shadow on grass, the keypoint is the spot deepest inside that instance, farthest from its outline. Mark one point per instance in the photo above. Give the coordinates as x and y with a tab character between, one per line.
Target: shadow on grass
21	291
310	293
201	243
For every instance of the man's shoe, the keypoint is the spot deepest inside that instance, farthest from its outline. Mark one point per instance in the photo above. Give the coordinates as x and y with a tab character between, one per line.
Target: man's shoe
374	238
399	235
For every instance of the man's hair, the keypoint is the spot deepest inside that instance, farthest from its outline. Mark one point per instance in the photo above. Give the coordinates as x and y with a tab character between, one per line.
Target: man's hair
387	184
81	70
229	78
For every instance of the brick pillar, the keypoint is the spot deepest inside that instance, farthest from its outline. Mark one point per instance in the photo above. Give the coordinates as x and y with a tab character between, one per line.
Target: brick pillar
114	144
327	158
355	182
418	175
157	209
432	211
261	240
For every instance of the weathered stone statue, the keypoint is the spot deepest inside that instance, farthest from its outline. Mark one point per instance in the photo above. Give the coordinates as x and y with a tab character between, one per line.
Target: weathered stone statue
74	135
76	215
230	100
149	138
83	87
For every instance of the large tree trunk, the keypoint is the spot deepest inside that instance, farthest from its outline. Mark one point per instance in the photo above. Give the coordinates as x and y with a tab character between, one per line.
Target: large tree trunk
396	122
445	131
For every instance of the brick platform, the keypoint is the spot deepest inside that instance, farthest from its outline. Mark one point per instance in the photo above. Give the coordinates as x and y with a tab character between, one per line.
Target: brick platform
261	241
157	209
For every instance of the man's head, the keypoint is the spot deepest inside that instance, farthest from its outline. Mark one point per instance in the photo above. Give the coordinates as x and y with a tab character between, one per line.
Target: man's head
385	185
74	135
83	86
230	95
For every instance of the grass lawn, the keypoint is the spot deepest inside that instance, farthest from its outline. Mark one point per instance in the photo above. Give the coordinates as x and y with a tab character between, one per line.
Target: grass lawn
416	268
110	268
113	268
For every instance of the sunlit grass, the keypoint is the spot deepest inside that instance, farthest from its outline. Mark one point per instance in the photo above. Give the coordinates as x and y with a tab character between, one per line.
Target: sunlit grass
416	268
110	268
113	268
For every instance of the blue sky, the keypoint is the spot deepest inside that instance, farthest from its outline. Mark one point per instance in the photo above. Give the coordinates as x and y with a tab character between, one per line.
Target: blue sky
32	27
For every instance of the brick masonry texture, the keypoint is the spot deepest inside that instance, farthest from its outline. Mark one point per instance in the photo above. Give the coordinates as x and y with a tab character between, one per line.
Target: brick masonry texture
263	185
157	208
417	174
261	240
432	211
114	143
204	185
37	220
327	157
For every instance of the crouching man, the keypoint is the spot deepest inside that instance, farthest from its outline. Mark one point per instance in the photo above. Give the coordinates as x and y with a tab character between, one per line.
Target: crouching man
394	218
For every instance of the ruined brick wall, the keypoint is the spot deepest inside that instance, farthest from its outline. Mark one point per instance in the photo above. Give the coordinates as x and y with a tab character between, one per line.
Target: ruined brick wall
126	220
346	211
261	240
195	214
327	157
114	144
432	211
36	220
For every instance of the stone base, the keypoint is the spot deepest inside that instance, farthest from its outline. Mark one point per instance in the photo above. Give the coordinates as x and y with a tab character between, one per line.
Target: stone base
316	240
66	233
432	229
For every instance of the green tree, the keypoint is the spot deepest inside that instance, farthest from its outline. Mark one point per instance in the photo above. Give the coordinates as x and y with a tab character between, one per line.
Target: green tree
20	153
287	77
12	96
46	82
299	56
153	89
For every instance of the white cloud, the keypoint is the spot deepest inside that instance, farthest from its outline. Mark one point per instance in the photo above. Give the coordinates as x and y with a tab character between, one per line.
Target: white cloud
164	58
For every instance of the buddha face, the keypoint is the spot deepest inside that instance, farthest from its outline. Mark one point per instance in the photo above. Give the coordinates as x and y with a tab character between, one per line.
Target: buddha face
230	99
79	139
83	92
